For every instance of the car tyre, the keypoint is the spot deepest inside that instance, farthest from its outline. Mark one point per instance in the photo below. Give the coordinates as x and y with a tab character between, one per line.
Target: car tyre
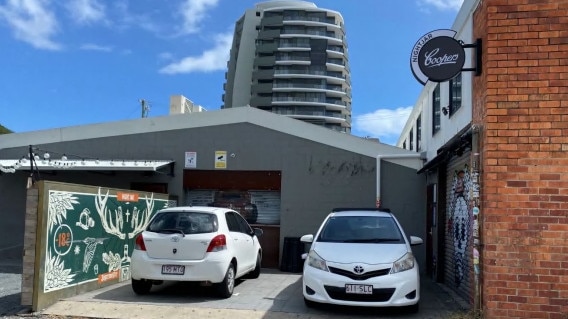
309	303
256	271
225	287
141	287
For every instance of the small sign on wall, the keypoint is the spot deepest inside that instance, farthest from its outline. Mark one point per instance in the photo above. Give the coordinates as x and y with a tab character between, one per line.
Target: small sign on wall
190	159
220	159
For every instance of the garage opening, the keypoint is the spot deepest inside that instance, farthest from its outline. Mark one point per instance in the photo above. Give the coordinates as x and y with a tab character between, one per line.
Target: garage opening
254	194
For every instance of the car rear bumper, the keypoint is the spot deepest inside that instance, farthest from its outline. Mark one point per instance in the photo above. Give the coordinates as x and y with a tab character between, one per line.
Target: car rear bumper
212	268
392	290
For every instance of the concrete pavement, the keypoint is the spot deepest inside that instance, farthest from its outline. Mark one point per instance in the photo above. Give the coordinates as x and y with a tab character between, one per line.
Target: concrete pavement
275	295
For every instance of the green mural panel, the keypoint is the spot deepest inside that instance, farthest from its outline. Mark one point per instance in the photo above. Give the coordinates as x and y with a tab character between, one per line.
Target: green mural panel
89	236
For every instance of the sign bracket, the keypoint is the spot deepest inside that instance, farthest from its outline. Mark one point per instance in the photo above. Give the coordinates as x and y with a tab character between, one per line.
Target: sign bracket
478	57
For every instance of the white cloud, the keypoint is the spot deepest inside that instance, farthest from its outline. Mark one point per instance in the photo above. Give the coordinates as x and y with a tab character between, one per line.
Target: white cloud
95	47
386	124
211	60
443	4
193	12
31	21
86	11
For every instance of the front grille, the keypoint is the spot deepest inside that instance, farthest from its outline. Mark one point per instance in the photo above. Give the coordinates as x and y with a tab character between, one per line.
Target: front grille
363	276
379	295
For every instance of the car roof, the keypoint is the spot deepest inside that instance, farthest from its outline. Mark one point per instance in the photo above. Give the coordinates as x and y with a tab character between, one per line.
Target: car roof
361	212
201	209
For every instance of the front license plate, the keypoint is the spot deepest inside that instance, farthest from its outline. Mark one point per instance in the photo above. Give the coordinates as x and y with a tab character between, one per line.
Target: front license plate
173	270
359	289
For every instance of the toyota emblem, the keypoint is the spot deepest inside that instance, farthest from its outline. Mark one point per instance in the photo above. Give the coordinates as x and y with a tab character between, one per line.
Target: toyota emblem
358	269
175	238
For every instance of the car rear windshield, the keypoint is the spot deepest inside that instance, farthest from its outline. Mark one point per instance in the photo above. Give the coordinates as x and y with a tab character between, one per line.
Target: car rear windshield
361	229
184	222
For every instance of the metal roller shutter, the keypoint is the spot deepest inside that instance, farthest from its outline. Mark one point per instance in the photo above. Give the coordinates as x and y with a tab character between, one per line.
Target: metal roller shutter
458	232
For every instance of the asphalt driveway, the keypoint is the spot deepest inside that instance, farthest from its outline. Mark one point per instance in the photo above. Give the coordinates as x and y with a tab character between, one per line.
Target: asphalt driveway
274	295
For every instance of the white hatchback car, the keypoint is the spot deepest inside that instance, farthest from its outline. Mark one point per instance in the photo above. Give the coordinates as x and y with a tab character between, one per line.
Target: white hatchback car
361	257
202	244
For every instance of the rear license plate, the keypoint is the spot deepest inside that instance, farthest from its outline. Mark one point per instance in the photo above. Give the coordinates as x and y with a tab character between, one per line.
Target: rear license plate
359	289
173	270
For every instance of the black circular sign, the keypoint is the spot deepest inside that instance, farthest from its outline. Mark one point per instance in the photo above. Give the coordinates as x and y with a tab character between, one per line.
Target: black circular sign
441	58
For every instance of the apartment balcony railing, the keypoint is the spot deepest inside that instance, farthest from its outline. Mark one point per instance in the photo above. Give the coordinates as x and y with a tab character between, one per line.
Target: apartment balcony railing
310	72
336	48
336	61
309	86
310	113
329	34
293	45
292	58
313	19
307	100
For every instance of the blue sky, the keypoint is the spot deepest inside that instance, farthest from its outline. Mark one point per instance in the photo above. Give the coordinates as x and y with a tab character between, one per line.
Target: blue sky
75	62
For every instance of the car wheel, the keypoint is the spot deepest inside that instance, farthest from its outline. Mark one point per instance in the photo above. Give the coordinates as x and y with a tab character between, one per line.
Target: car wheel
225	288
141	287
256	271
309	303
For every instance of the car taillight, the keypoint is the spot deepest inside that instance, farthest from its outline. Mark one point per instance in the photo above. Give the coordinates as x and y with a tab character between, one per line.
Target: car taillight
217	244
139	243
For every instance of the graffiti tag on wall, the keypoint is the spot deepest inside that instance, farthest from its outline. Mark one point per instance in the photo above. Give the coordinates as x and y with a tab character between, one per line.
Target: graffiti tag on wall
90	237
459	222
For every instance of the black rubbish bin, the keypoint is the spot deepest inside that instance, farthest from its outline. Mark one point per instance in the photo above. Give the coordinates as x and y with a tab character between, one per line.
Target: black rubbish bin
292	255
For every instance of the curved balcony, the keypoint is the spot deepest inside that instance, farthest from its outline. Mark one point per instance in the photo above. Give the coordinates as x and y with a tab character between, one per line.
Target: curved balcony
329	76
311	23
335	64
330	90
291	59
294	45
336	52
329	104
327	35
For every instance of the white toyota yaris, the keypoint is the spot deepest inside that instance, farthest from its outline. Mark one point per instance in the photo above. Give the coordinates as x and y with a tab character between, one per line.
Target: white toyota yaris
361	257
203	244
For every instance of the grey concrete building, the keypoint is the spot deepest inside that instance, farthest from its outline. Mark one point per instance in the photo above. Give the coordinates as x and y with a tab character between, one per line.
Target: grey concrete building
290	58
292	171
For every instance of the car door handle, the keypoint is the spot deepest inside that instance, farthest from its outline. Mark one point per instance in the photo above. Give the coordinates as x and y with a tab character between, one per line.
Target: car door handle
235	239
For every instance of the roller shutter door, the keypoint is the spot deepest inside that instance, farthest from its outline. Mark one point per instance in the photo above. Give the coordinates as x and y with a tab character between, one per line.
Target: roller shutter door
458	274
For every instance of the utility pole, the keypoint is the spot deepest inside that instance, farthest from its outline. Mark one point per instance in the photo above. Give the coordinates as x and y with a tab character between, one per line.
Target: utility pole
145	108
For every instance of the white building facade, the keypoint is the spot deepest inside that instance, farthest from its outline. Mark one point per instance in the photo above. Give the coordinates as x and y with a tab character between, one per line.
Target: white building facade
290	58
439	127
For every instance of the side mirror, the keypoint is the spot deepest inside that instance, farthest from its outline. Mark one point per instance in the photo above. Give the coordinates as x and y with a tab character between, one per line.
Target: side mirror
307	238
415	241
258	232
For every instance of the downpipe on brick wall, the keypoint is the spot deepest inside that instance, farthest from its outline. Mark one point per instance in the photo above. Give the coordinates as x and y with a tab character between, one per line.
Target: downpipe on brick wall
475	190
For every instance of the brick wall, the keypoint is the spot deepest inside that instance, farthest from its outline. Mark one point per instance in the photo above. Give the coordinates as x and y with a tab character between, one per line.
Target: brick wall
521	101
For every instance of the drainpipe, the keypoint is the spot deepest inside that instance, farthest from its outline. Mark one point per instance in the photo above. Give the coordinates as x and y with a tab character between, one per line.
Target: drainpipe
477	219
379	160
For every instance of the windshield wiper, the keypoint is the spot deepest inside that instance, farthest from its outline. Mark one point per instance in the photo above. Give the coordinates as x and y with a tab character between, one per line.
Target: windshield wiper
172	230
371	240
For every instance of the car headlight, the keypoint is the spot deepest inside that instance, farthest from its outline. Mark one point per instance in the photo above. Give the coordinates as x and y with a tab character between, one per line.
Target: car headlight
403	264
316	261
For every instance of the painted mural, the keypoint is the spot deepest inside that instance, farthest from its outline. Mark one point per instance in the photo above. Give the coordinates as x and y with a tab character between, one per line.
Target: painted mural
459	223
90	237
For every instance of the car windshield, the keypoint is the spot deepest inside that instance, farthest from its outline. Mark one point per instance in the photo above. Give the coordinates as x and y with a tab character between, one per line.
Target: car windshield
184	223
361	229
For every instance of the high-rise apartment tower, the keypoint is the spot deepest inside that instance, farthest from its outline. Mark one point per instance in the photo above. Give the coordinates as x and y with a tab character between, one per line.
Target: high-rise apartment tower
290	58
